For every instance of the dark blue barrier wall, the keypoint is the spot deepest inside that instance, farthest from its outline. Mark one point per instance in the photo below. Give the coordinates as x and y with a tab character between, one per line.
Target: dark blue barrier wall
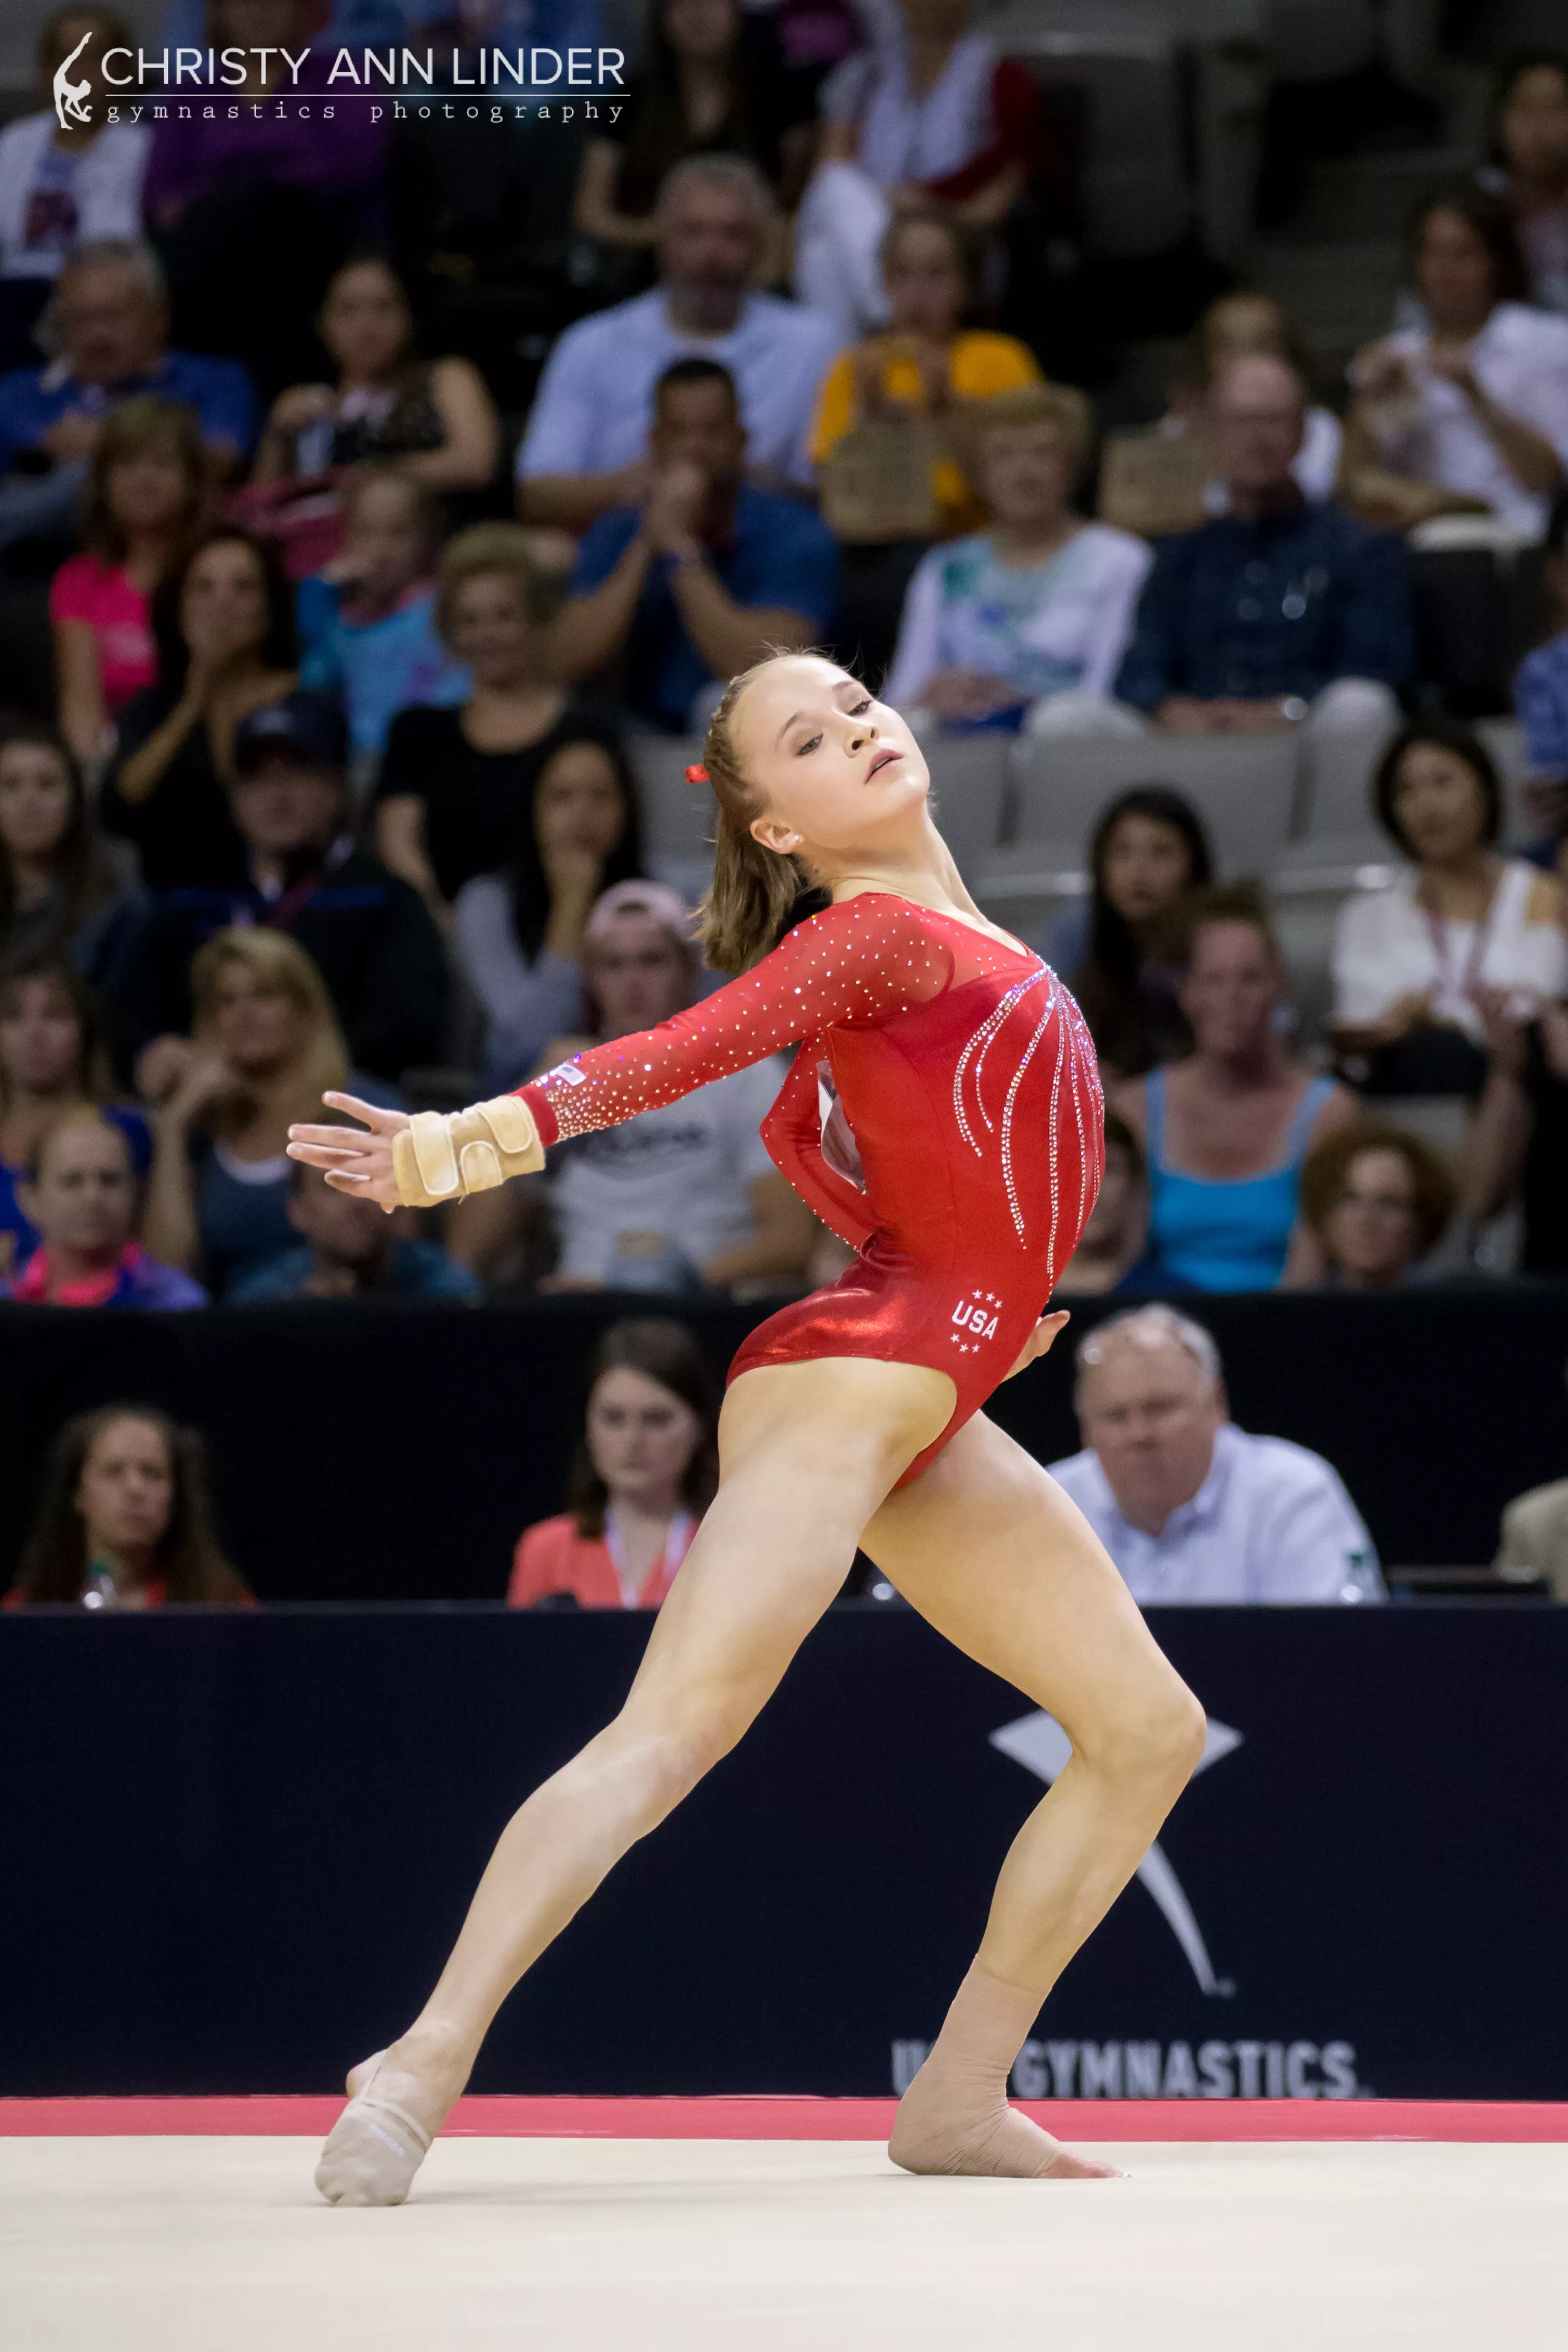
233	1850
388	1452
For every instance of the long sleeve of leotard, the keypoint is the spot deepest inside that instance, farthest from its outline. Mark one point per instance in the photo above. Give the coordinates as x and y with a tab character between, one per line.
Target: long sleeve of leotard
858	963
797	1119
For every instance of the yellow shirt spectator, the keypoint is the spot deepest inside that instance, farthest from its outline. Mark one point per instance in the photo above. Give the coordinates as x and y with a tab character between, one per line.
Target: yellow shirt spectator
901	372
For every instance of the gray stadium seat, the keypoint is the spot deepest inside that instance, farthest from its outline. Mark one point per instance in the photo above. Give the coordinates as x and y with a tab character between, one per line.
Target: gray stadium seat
1244	788
677	817
1338	824
970	779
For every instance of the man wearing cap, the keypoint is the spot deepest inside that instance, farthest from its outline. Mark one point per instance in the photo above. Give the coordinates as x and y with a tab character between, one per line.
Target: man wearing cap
678	1199
1190	1508
369	933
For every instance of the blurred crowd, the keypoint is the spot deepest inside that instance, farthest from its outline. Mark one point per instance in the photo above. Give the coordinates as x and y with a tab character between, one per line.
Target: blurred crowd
334	651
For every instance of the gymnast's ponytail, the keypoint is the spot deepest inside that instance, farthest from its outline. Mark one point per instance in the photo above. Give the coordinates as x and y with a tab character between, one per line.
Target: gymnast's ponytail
754	889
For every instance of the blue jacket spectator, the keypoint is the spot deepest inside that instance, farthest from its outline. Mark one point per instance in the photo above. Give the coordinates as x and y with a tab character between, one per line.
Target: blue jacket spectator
110	318
700	581
348	1249
367	625
368	933
1277	601
586	444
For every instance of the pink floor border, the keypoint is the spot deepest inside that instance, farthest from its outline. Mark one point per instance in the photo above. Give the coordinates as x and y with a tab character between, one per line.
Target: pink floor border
792	2119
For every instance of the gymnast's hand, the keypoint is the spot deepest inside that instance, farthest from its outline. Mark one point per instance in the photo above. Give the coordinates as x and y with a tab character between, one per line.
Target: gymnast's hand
358	1164
1037	1344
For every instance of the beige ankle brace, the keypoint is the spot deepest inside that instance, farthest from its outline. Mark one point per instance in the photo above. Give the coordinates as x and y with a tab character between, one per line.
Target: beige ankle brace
955	2116
438	1157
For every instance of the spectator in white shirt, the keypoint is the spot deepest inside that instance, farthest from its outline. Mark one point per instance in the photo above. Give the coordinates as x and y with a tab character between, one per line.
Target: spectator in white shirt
1190	1508
62	184
678	1199
1037	610
928	110
1470	409
1417	966
585	449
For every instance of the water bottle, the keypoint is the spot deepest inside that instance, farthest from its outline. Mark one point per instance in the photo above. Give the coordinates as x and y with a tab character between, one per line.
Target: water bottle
1363	1579
99	1592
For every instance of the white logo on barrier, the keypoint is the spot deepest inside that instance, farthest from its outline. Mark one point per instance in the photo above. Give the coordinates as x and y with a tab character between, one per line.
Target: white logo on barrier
1038	1743
69	96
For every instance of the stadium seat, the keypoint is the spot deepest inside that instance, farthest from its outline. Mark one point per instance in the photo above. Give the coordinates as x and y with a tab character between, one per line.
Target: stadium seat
677	817
1244	788
970	776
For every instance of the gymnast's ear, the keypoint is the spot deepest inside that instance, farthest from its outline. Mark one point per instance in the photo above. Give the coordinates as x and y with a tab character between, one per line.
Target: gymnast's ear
775	835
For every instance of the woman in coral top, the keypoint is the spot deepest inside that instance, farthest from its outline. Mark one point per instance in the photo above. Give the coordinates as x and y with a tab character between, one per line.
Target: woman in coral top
644	1474
943	1115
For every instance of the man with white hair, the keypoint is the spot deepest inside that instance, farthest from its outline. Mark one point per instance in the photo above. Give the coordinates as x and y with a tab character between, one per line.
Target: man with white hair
585	449
1190	1508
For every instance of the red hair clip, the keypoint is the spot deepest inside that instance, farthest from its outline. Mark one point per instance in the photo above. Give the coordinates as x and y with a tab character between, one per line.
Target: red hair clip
698	775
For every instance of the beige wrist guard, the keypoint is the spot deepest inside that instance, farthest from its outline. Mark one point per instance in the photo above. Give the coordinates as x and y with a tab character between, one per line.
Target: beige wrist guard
438	1157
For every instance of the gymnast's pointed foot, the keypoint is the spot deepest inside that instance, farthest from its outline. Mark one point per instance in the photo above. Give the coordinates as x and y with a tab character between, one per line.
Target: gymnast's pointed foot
955	2118
398	2100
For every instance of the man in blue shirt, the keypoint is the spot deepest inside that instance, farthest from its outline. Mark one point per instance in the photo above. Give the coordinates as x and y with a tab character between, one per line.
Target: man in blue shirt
1279	611
110	316
706	576
584	451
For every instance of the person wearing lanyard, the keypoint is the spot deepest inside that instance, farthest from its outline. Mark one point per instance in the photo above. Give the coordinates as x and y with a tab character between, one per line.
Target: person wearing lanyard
643	1474
1416	965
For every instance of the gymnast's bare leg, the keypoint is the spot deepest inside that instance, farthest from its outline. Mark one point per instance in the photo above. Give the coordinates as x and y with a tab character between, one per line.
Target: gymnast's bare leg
810	1455
991	1551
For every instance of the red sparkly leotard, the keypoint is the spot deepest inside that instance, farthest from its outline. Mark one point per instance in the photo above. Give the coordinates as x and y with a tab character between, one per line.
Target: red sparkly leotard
944	1116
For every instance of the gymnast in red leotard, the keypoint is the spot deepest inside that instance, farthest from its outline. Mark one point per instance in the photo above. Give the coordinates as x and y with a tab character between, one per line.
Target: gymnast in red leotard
943	1114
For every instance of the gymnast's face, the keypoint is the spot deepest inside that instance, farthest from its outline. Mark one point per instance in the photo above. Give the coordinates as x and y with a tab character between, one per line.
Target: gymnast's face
840	776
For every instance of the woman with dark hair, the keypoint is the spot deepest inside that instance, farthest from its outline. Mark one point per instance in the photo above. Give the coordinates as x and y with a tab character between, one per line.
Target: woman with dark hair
224	622
1148	851
520	933
1530	171
1226	1130
1415	964
146	493
456	790
59	895
52	1061
1470	409
125	1521
434	420
644	1473
714	82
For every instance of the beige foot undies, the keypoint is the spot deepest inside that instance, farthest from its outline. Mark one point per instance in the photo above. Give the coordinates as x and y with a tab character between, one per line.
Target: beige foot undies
955	2116
374	2148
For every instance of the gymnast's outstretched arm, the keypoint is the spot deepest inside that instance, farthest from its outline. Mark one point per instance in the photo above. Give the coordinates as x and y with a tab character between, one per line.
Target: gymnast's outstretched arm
859	964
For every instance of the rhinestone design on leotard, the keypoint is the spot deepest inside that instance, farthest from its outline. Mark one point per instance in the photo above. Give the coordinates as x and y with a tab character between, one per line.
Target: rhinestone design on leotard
967	1197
